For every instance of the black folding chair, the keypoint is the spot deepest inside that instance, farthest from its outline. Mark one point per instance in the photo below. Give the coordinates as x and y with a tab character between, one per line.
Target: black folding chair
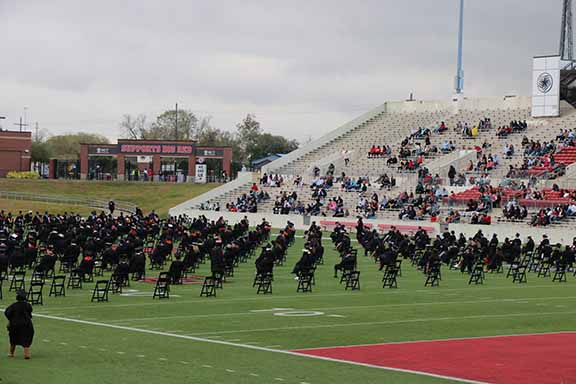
18	282
100	292
34	295
162	289
75	280
433	276
519	276
57	286
264	283
560	274
38	276
98	269
209	287
477	275
219	279
544	270
229	270
389	280
353	281
305	282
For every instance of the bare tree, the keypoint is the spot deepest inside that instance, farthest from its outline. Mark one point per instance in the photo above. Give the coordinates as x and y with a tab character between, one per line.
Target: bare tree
134	127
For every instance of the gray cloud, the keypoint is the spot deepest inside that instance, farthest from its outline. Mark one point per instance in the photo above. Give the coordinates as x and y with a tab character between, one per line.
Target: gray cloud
304	67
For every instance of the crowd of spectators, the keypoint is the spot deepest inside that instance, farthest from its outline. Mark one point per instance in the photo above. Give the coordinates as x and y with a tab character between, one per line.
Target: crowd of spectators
360	184
567	137
547	216
514	212
287	203
271	180
209	206
386	182
416	205
447	146
513	127
484	164
377	152
541	155
247	202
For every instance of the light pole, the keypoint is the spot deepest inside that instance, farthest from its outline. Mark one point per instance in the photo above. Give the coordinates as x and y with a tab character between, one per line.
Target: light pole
176	125
459	83
566	37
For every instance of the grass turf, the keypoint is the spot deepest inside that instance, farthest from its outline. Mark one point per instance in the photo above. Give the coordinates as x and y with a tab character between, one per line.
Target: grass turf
67	352
148	196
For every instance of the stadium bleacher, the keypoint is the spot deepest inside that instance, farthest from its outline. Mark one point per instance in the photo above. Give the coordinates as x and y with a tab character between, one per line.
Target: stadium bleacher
497	126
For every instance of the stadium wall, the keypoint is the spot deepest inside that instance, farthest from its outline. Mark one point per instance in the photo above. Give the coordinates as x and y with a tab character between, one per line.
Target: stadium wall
563	236
301	222
470	104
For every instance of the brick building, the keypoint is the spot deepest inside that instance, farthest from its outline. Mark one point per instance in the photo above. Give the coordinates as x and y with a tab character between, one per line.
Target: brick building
15	150
157	160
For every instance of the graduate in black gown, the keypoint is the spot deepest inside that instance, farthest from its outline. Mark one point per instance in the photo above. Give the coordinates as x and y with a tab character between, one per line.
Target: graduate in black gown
20	328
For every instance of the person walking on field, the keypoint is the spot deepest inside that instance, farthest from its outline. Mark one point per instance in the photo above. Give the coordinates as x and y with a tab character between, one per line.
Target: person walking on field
112	206
20	328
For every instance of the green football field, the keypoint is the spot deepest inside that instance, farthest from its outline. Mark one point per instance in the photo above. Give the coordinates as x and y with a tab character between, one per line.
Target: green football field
241	337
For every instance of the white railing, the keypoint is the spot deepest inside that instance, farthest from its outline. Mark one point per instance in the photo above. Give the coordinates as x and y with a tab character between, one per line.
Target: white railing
243	179
332	135
441	165
121	206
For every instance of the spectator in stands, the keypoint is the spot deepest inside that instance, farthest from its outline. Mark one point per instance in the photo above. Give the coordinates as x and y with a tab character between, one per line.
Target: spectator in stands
482	219
448	146
316	171
453	217
452	174
346	156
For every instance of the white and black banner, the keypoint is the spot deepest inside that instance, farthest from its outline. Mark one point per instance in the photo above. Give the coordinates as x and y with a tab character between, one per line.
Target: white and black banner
200	176
546	86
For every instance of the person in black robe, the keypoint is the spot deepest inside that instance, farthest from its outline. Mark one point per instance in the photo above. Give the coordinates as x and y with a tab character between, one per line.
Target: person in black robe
86	267
265	262
20	328
176	270
217	259
137	264
305	264
348	263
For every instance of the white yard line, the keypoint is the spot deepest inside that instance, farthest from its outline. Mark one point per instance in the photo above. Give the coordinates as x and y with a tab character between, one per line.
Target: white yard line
254	347
522	300
406	321
139	319
300	297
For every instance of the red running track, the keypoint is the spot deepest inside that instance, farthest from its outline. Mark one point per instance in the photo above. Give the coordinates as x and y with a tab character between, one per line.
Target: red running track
543	359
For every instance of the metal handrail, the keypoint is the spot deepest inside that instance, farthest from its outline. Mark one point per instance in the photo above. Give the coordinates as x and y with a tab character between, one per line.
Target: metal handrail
121	206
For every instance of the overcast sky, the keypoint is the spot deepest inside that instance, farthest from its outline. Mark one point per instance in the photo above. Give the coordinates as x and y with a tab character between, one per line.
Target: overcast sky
303	67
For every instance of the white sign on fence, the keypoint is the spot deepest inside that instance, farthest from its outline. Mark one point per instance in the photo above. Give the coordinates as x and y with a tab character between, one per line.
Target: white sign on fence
200	173
144	159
